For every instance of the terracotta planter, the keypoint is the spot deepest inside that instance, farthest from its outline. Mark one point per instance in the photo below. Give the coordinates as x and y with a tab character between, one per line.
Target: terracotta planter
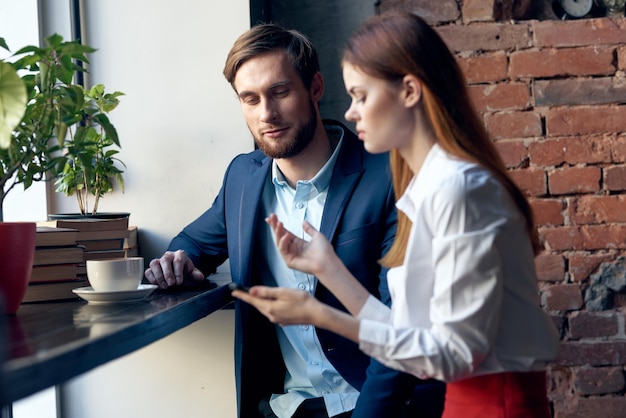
17	250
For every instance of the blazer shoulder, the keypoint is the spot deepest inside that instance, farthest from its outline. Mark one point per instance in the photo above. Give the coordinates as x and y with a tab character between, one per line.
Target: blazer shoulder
255	157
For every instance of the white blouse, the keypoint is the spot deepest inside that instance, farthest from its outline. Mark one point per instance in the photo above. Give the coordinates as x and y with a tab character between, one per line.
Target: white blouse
466	300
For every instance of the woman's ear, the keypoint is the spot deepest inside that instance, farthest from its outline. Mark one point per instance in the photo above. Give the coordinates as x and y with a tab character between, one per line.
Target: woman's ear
411	90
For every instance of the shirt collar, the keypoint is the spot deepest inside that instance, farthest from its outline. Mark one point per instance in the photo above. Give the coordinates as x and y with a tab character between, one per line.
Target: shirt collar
411	198
321	180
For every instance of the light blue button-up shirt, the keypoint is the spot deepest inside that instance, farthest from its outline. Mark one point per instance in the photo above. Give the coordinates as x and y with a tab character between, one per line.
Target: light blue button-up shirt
309	373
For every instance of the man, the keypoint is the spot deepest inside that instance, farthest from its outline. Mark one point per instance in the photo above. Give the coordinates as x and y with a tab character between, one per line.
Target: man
304	169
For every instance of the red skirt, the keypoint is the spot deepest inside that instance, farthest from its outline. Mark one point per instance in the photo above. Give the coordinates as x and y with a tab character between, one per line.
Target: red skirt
500	395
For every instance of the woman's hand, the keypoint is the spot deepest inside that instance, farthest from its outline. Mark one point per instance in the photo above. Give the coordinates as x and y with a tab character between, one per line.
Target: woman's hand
313	257
281	305
295	307
318	257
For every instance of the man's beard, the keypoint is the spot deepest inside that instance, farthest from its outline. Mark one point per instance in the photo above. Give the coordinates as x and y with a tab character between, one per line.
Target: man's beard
290	147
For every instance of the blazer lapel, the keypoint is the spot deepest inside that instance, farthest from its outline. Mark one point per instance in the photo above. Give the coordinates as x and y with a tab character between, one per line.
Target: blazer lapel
346	174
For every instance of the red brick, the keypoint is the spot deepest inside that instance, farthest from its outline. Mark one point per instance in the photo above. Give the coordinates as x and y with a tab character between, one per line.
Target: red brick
592	325
563	297
598	353
602	407
585	120
431	11
547	211
547	153
581	266
562	238
484	68
571	180
570	150
604	237
513	153
597	209
615	178
513	124
583	32
598	380
587	150
486	36
531	180
562	62
618	148
550	267
560	382
579	91
502	96
477	10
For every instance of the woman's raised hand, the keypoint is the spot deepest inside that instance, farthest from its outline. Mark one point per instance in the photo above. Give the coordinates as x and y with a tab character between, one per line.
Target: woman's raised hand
311	257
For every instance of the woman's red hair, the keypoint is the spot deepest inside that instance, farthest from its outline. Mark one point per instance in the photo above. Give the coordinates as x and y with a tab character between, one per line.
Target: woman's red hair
392	45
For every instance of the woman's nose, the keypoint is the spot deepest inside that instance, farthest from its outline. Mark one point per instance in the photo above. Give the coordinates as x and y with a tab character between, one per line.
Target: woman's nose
350	115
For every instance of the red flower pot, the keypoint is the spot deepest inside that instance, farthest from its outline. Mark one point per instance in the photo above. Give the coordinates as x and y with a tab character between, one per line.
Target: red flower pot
17	250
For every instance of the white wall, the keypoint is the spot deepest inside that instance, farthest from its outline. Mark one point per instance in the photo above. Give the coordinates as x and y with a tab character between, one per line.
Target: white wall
179	122
187	375
179	125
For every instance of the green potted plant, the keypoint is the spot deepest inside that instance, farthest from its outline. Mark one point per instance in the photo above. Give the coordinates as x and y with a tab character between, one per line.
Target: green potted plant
90	149
39	105
53	128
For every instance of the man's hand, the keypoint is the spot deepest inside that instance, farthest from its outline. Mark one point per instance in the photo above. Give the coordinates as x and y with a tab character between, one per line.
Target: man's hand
172	269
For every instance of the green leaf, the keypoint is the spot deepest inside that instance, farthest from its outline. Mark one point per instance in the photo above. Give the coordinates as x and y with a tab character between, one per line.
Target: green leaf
108	127
12	102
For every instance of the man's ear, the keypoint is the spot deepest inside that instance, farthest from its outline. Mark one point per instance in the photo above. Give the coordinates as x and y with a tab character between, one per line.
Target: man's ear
411	90
317	87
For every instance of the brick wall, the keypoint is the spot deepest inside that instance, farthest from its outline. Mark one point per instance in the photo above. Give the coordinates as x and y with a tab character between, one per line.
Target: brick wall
553	95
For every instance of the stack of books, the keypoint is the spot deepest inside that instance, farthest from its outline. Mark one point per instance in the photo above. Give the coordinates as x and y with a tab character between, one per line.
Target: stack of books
101	238
56	265
131	244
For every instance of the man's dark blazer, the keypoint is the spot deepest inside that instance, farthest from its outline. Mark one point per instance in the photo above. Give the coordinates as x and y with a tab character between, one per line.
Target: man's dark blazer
359	219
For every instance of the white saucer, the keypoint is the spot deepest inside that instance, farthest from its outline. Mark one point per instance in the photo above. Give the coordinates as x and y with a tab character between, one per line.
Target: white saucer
122	296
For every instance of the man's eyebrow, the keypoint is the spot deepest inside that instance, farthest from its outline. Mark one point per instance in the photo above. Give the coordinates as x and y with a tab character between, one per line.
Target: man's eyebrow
281	84
246	93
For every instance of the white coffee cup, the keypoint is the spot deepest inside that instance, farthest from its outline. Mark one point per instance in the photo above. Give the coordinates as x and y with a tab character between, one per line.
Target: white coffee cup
110	275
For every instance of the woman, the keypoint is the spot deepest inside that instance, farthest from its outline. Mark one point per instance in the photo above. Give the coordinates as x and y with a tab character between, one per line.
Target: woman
464	290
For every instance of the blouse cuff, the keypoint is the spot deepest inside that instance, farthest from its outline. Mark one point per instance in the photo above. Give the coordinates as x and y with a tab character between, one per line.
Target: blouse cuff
373	309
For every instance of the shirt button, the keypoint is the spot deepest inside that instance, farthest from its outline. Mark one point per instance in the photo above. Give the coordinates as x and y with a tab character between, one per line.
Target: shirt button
299	205
301	286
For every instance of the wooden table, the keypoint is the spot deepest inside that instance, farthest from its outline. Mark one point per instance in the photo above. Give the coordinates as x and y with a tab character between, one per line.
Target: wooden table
50	343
